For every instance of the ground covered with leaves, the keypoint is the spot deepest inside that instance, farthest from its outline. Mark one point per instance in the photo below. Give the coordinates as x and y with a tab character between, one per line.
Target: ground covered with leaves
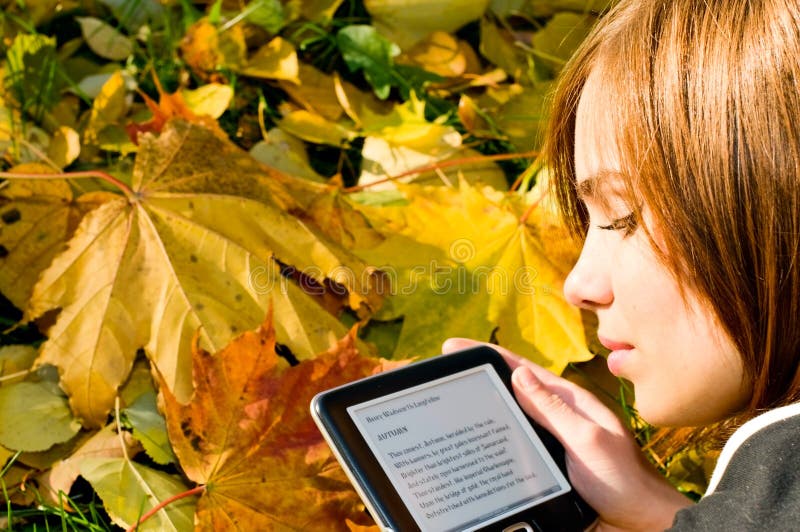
363	174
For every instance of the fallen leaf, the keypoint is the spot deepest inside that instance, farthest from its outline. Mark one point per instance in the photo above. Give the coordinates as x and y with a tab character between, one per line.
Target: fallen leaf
206	50
37	217
108	109
35	416
557	41
199	247
252	443
462	259
149	428
129	490
443	54
31	73
312	127
317	10
406	22
286	153
105	40
16	359
105	443
65	146
364	49
171	106
275	60
212	99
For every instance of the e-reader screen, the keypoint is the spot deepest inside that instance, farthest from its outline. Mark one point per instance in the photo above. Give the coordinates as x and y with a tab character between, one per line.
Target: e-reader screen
458	450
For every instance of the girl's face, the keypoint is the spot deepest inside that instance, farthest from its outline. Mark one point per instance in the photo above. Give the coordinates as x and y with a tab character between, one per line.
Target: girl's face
684	367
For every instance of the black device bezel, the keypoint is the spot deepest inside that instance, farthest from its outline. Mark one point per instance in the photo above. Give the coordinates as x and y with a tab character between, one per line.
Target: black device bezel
567	512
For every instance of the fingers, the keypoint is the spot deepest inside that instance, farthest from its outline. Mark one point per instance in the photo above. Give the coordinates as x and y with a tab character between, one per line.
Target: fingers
547	406
512	359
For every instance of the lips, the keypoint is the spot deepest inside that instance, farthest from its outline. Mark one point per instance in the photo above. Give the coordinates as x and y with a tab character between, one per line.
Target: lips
620	351
614	346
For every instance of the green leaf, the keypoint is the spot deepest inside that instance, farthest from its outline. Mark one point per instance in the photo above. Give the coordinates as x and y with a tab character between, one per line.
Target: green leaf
150	428
31	61
104	40
266	13
34	416
363	48
557	41
129	490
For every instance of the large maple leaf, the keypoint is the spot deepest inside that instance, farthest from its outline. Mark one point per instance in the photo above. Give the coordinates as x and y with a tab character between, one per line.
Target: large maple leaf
36	219
469	262
198	244
248	436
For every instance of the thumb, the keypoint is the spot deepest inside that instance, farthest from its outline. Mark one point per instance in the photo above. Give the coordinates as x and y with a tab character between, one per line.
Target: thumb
550	407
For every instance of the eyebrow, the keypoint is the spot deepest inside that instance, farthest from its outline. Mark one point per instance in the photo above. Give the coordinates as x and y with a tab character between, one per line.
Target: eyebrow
587	188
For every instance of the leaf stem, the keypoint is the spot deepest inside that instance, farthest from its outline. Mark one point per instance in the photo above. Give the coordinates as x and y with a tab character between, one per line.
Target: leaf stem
445	164
160	506
108	178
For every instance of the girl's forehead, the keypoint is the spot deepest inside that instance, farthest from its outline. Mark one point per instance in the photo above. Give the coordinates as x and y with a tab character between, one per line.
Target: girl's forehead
596	151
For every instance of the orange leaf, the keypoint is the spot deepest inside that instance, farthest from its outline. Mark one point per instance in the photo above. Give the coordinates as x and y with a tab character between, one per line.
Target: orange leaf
248	436
169	106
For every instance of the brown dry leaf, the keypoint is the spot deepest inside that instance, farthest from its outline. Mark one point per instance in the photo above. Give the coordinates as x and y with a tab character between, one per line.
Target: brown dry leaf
247	434
37	217
198	245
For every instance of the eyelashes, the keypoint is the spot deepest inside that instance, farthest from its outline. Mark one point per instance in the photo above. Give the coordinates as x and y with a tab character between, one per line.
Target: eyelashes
627	224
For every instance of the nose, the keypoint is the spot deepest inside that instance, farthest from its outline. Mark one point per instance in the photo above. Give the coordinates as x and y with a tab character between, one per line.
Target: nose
588	285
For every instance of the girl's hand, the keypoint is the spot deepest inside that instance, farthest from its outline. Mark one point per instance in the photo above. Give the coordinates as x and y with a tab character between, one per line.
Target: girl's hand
604	462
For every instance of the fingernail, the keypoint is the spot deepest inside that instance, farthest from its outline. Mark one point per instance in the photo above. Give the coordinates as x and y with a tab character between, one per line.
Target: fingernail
525	378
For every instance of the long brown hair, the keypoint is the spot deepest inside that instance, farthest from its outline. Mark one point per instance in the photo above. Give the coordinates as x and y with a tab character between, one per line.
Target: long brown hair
705	97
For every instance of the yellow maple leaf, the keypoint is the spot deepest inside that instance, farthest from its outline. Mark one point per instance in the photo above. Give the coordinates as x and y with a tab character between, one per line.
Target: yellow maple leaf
198	245
36	219
463	263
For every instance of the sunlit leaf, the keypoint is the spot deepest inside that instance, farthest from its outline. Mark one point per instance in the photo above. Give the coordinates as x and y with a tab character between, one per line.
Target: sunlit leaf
252	441
206	50
406	22
211	99
105	40
129	490
65	146
275	60
31	75
36	220
34	416
314	128
443	54
462	259
107	109
202	248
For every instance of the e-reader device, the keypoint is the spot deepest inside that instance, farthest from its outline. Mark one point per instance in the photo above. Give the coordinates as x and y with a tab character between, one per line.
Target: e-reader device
442	445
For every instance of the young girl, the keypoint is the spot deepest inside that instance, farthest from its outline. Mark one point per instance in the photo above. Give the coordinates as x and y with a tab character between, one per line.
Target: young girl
675	152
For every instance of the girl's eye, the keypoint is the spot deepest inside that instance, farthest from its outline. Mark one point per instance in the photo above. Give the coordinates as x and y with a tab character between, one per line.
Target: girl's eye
626	224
